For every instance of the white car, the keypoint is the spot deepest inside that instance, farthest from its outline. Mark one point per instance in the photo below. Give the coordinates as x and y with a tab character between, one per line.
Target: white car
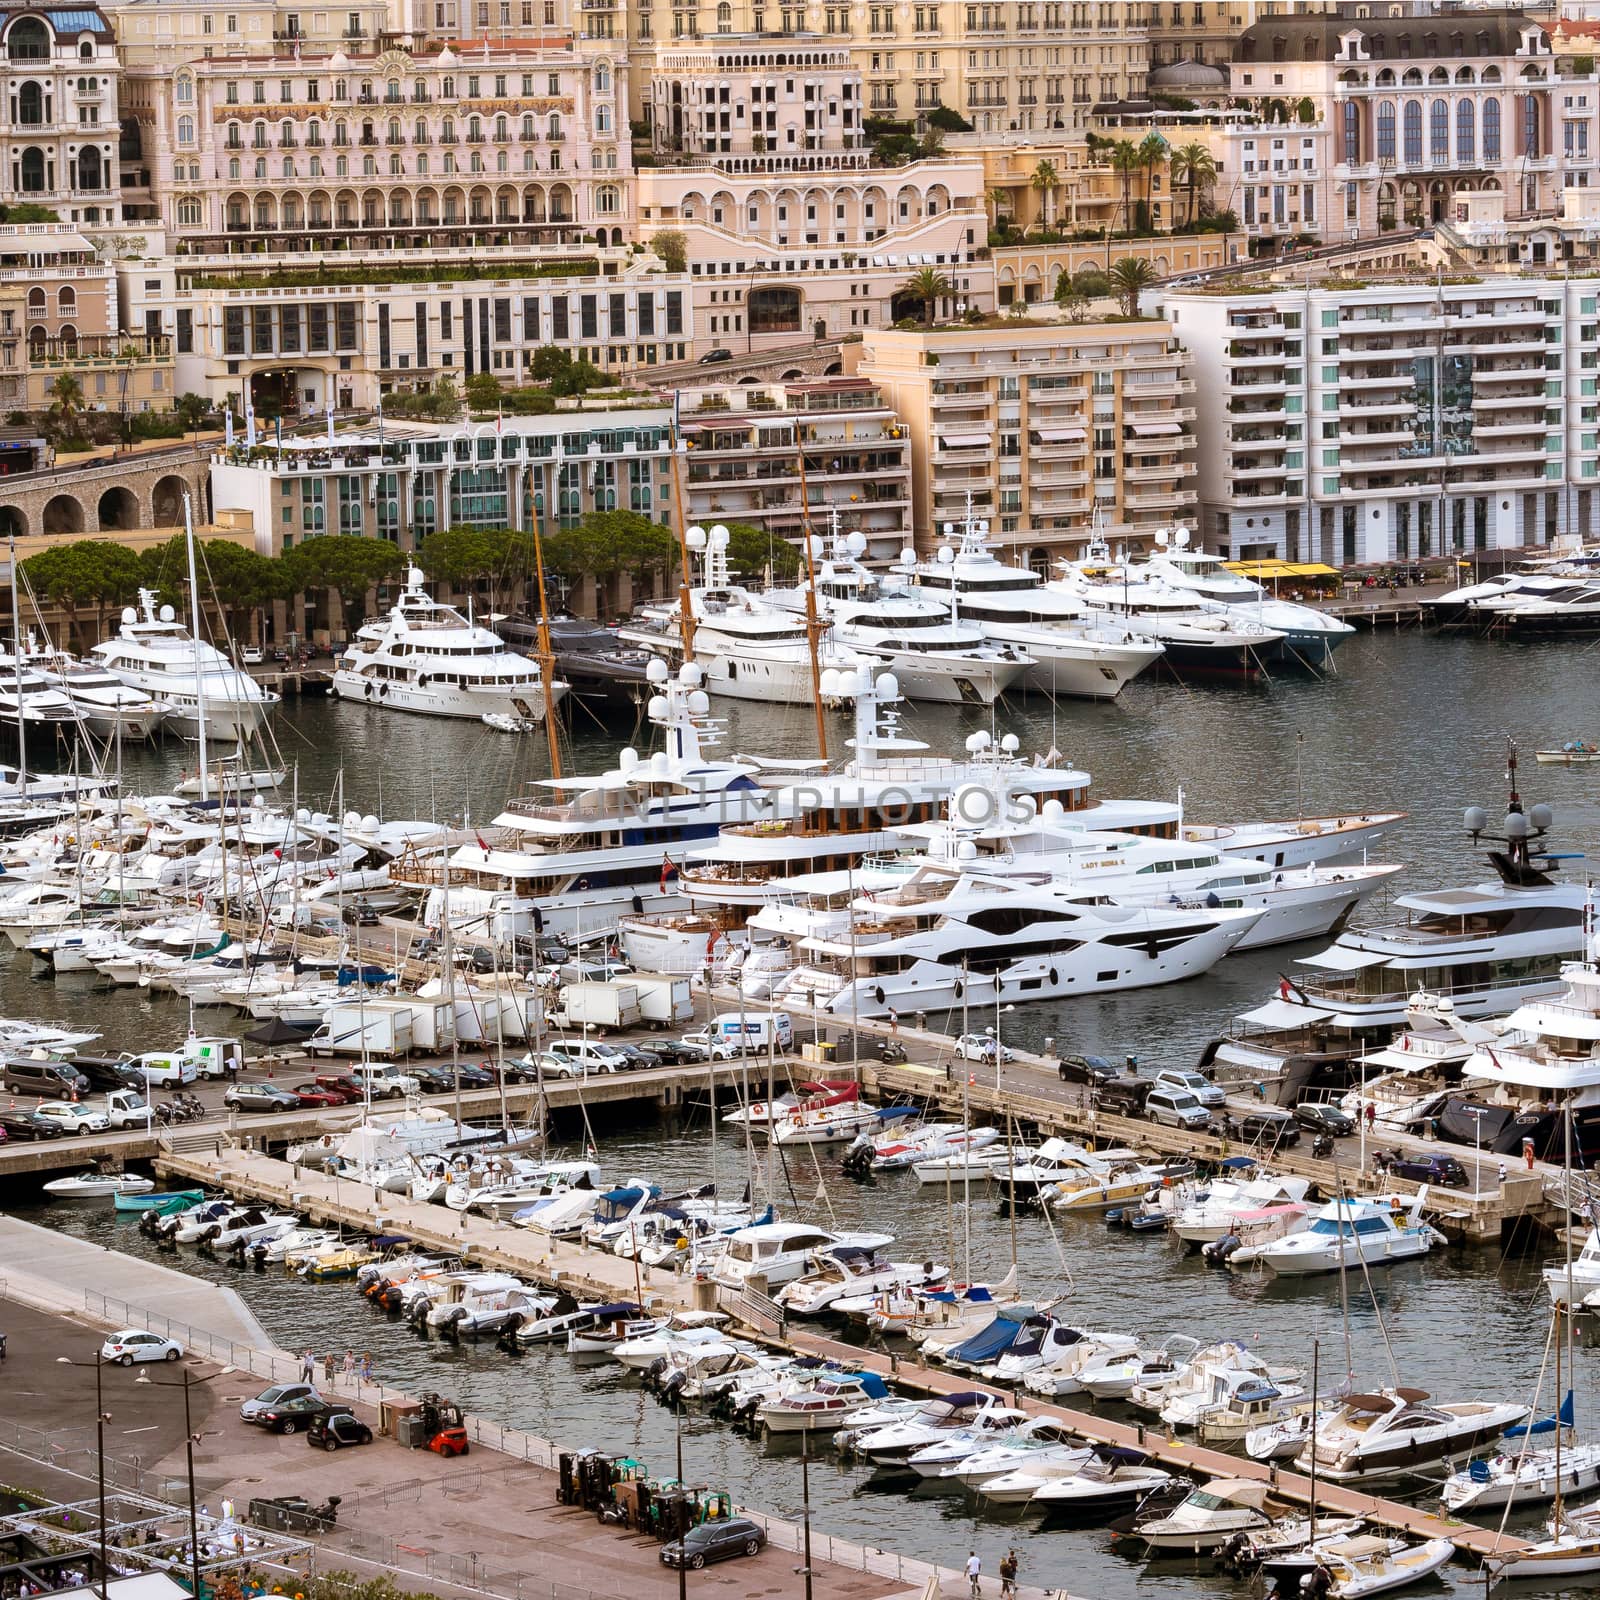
1202	1088
711	1047
588	1055
558	1066
137	1344
252	655
71	1118
981	1047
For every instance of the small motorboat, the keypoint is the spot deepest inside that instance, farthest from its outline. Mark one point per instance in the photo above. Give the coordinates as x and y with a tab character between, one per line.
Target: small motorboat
97	1186
504	722
1362	1564
1209	1517
163	1203
1573	753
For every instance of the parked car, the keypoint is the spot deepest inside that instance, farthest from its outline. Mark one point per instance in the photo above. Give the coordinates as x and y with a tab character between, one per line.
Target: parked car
1124	1096
252	655
708	1047
335	1093
279	1394
1446	1171
57	1079
312	1094
1176	1108
1317	1116
1269	1128
1086	1069
138	1344
1202	1088
109	1075
715	357
982	1047
632	1058
290	1416
336	1429
591	1053
672	1052
22	1123
434	1080
343	1083
715	1541
73	1118
260	1097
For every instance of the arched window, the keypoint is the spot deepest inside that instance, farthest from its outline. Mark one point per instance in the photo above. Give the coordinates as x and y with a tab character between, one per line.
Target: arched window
391	90
447	88
185	130
185	89
1413	127
37	300
502	130
1439	131
602	119
233	168
261	169
1530	127
528	134
1352	131
724	17
1466	132
1491	129
341	90
607	200
554	130
1386	130
288	166
66	301
419	134
188	211
602	78
447	133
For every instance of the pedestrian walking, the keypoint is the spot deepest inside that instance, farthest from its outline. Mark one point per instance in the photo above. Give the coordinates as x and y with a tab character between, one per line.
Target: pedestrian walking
1371	1115
366	1367
308	1367
1008	1574
327	1367
974	1572
349	1363
894	1021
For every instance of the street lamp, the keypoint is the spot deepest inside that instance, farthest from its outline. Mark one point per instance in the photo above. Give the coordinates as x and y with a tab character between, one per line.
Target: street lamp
100	1452
190	1439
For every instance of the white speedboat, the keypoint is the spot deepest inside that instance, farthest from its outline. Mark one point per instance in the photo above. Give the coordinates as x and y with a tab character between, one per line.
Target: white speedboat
778	1252
154	653
97	1186
956	1445
1209	1517
841	1271
1395	1432
1039	1441
426	657
1355	1233
1111	1479
894	1444
819	1407
1362	1564
1230	1204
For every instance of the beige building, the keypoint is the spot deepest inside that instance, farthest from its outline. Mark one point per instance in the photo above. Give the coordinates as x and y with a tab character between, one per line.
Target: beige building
1052	431
785	457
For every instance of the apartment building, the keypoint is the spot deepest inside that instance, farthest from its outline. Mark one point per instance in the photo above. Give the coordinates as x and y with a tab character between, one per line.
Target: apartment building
1405	112
1202	31
1053	431
58	113
1000	63
1394	420
407	479
298	338
447	142
787	457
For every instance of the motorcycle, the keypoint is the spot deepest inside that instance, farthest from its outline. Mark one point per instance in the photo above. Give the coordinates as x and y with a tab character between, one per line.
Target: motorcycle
891	1051
1322	1147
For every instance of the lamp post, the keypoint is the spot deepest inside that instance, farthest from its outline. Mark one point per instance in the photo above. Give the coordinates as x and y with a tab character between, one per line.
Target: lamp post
683	1562
190	1439
100	1452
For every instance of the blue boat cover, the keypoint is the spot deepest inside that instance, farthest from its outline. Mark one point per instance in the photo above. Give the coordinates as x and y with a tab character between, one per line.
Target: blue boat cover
894	1113
871	1384
622	1308
384	1240
988	1342
1563	1418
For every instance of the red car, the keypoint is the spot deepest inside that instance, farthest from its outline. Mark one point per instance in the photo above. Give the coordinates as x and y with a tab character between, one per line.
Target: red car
341	1083
312	1094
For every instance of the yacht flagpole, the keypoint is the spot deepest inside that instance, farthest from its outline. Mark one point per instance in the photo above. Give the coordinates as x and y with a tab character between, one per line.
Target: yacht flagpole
16	657
199	672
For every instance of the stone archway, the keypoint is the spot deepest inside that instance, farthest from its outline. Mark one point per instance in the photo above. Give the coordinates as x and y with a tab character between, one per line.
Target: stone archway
118	510
13	520
63	514
166	502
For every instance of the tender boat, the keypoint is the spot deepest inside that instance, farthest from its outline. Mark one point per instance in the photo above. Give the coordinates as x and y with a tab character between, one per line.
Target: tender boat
895	1444
1363	1564
822	1405
1112	1478
1575	752
163	1204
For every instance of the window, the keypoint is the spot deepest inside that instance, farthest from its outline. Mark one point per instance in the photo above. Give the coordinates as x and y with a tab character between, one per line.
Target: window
1352	131
185	130
185	90
188	211
1386	130
1491	130
1413	127
1466	132
1439	131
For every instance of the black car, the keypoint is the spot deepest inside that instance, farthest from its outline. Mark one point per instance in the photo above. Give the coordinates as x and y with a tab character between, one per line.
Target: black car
715	1541
1443	1170
434	1080
633	1058
336	1429
1123	1096
1086	1069
23	1124
108	1075
1317	1117
290	1416
671	1053
1268	1129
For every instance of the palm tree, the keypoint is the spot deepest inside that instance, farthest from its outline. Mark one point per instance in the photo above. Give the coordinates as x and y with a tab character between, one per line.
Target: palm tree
1193	166
1130	277
1152	151
67	394
929	286
1125	160
1043	183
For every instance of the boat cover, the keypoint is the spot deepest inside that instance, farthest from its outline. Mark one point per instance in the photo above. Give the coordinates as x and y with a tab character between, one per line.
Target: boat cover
988	1342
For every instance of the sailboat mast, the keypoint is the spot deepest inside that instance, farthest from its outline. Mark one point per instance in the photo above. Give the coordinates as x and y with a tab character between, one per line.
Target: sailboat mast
813	622
16	656
680	513
547	656
194	613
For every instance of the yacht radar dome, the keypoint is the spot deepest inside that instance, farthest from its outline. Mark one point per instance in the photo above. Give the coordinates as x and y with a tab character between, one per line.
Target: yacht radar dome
1515	825
167	614
657	708
690	673
129	615
1476	819
695	537
1010	744
657	671
908	556
719	537
628	759
699	703
947	556
888	686
1541	816
856	544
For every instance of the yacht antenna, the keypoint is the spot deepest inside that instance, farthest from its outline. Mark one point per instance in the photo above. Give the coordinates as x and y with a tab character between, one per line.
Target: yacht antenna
547	659
813	624
680	512
199	672
16	657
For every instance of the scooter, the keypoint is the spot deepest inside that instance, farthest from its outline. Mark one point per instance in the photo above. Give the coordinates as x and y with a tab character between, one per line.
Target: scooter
891	1051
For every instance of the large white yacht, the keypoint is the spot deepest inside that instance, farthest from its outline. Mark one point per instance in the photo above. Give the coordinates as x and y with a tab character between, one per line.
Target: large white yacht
934	657
103	703
1485	599
574	856
1073	653
425	656
747	647
156	654
1308	633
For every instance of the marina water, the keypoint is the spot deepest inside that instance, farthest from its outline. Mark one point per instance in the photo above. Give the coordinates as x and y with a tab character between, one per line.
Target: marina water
1413	721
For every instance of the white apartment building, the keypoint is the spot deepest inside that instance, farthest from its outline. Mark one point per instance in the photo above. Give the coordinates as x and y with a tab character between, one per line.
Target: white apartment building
1394	420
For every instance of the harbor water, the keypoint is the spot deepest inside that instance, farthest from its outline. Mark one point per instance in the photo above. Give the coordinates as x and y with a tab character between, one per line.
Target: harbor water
1410	721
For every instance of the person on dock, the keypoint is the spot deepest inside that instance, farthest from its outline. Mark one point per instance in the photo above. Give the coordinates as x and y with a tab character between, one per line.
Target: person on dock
366	1367
308	1367
327	1367
1371	1114
1008	1575
974	1573
349	1363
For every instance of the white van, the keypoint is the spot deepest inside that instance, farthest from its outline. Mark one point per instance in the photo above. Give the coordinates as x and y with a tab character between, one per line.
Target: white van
758	1029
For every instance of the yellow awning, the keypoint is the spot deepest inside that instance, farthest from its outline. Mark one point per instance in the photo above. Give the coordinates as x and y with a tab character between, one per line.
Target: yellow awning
1281	569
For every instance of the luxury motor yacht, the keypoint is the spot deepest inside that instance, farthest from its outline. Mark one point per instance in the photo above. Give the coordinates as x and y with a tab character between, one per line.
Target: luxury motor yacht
1397	1431
103	703
1073	652
426	657
157	655
933	657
